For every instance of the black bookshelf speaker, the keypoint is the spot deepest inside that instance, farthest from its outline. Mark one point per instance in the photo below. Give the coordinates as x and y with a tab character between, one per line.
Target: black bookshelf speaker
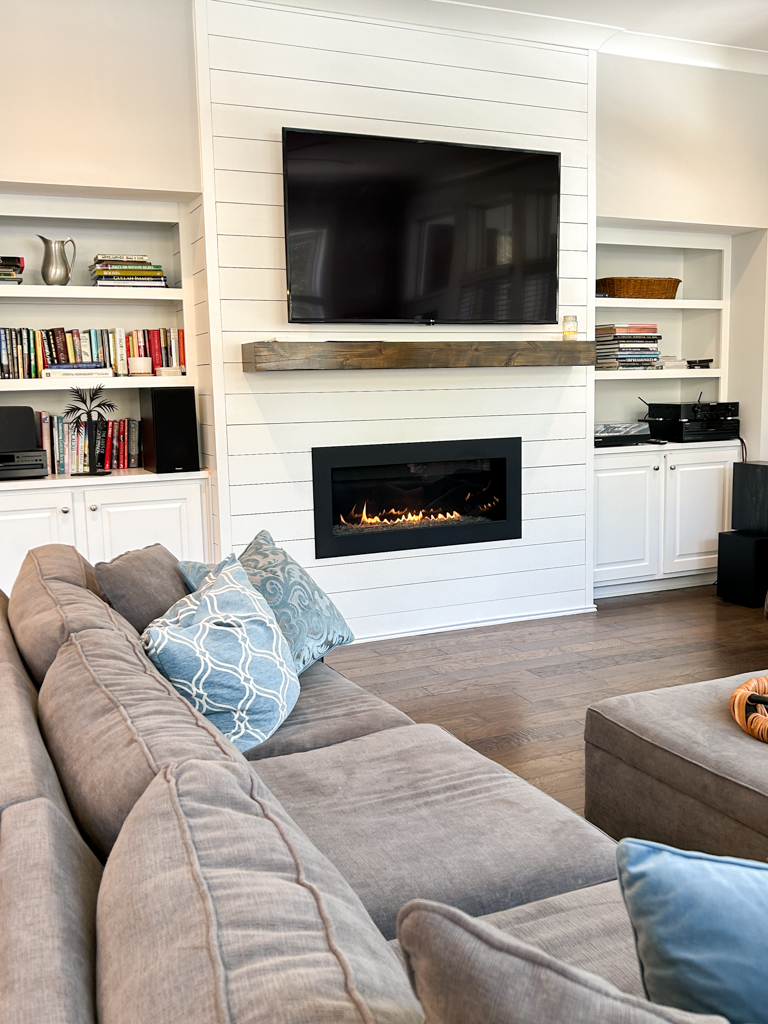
18	431
169	430
742	568
750	497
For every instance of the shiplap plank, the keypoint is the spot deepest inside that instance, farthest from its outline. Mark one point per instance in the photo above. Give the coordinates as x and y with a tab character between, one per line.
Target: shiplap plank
331	66
508	378
249	219
432	620
252	187
555	457
344	35
328	407
442	594
266	122
259	253
257	90
574	237
453	566
288	437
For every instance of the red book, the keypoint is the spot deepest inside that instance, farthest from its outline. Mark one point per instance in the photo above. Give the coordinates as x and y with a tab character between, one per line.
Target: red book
60	344
155	349
182	352
108	445
122	450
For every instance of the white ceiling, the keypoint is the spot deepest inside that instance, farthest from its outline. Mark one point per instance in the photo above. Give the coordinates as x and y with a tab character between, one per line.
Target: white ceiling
741	23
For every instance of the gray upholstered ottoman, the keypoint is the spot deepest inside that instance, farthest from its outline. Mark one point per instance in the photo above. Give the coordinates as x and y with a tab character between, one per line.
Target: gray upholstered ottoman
672	766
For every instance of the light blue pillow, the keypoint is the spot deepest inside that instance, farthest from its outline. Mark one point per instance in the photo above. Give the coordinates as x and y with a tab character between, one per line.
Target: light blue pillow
310	621
223	650
701	928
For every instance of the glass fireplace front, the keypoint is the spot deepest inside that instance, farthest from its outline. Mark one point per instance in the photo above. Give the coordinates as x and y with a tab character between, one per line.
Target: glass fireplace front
386	497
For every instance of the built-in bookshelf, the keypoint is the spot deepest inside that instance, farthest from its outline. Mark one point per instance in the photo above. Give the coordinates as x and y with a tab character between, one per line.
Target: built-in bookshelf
694	325
118	223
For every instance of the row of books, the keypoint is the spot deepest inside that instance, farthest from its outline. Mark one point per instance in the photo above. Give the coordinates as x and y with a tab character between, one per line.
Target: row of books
118	444
115	269
27	354
11	269
627	346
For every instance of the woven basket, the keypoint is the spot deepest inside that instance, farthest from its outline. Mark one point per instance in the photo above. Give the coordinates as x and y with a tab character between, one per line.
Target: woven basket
639	287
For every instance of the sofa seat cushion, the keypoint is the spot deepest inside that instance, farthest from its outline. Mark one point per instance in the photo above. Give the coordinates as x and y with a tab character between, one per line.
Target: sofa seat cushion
464	970
56	593
111	721
49	881
142	585
26	770
412	812
330	709
215	907
587	928
685	737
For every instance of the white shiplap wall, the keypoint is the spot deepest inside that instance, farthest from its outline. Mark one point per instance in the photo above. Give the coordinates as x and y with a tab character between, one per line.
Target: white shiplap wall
262	67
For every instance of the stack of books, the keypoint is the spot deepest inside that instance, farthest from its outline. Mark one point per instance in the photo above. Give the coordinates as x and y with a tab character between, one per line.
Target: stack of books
11	269
28	354
627	346
118	444
126	270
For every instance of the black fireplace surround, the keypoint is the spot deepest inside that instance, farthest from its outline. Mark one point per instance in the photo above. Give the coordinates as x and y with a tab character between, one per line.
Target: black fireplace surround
389	497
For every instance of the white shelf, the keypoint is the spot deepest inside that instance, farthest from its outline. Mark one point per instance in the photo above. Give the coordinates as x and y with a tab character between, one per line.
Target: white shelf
62	383
117	476
613	375
659	304
64	293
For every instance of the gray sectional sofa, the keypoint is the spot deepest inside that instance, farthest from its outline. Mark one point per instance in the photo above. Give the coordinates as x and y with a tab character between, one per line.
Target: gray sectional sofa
150	871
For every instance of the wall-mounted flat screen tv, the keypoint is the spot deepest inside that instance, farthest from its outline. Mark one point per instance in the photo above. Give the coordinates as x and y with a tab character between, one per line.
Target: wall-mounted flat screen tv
383	230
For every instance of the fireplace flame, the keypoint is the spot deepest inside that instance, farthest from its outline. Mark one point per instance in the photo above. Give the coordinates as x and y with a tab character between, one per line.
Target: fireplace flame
395	516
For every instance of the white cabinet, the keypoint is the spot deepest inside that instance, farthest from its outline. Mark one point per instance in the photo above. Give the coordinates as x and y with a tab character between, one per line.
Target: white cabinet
627	502
123	518
28	520
658	511
697	507
131	510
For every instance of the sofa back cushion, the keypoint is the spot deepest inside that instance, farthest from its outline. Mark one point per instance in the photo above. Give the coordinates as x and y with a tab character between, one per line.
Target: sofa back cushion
142	585
26	770
56	593
111	721
216	907
49	881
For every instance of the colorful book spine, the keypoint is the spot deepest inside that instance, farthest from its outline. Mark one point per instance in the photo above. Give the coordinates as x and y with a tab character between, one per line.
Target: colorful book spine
45	438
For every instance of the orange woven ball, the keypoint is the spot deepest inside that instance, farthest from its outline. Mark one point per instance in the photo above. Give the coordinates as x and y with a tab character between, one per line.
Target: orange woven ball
757	723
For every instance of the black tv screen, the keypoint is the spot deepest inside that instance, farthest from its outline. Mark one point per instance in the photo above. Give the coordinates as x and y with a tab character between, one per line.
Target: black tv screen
382	230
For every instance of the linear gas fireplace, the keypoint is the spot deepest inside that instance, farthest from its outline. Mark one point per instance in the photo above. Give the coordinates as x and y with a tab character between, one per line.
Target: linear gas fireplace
386	497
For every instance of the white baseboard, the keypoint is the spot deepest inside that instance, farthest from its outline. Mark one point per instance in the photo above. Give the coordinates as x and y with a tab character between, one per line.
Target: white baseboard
651	586
473	625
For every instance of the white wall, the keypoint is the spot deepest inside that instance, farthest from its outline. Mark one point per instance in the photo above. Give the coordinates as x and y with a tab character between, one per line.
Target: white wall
269	67
681	143
99	93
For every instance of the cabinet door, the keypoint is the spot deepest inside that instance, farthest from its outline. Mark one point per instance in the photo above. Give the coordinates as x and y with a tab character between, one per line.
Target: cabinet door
697	507
29	520
627	516
135	515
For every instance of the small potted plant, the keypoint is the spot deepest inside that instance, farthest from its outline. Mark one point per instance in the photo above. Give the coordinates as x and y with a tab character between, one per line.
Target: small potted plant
89	405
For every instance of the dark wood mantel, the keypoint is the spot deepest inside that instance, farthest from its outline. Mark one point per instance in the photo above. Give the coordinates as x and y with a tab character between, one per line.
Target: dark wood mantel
407	355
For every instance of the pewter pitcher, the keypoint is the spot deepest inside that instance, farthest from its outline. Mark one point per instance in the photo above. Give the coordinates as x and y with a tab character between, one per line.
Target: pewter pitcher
55	269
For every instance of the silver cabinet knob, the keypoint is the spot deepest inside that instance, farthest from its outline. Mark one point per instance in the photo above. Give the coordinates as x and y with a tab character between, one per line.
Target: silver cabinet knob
655	467
673	467
65	510
94	507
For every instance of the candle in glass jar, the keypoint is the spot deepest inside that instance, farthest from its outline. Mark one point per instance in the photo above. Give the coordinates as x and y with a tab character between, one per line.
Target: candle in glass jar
570	328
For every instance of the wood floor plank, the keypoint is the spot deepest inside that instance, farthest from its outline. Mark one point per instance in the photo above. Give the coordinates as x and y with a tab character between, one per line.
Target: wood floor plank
518	692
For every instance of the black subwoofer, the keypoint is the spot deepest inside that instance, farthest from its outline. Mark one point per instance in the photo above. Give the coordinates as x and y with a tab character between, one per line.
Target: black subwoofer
169	430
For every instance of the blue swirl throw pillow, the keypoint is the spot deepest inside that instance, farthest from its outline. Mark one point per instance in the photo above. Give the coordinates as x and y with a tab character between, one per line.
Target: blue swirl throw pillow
308	618
223	650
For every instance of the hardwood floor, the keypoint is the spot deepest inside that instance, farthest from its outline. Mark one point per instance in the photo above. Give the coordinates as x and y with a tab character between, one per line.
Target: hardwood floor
518	692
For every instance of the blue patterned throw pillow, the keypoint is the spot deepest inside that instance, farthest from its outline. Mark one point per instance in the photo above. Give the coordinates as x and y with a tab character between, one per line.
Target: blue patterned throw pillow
223	650
308	618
